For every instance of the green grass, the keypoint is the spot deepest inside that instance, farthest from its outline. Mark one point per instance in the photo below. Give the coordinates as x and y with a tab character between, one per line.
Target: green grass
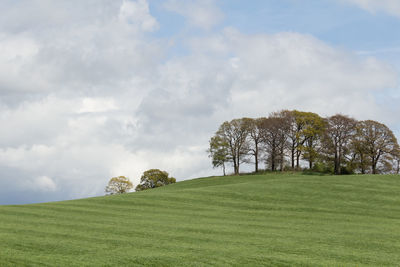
272	219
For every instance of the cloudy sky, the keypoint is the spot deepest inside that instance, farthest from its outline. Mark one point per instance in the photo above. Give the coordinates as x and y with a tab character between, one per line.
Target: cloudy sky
99	88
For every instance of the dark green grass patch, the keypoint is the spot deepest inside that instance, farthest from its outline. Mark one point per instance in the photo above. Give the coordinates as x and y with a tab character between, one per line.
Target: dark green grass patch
272	220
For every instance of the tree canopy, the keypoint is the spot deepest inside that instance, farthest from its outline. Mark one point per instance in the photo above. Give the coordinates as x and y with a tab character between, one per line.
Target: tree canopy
378	142
219	152
154	178
118	185
234	135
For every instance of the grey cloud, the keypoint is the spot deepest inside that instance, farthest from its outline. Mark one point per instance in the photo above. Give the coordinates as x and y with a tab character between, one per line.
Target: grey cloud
16	188
43	15
88	49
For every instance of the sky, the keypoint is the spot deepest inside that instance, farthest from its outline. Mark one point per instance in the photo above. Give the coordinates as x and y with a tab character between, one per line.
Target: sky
93	89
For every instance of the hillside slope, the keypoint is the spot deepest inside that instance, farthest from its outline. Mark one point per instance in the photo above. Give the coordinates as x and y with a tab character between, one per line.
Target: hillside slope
274	219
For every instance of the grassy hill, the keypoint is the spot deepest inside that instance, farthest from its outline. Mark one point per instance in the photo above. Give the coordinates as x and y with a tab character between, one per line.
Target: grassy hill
274	219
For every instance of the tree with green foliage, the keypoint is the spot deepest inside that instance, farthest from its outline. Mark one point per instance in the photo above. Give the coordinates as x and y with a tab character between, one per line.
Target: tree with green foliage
154	178
219	152
311	127
118	185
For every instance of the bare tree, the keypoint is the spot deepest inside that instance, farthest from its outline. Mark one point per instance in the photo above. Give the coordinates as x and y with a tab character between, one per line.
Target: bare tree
338	135
285	119
235	134
377	141
255	139
292	130
359	159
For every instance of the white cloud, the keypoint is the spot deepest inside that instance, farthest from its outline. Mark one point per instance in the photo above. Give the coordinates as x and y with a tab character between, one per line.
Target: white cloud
389	6
287	70
200	13
97	105
137	12
44	183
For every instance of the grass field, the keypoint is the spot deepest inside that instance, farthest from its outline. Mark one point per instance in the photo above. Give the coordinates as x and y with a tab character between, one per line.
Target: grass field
273	219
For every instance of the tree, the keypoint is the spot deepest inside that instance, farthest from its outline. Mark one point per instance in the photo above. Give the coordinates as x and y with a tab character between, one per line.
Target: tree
284	128
338	135
235	133
218	152
154	178
299	130
377	141
292	130
310	128
255	139
273	134
118	185
359	159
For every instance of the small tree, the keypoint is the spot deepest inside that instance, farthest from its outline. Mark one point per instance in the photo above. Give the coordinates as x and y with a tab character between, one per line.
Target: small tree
154	178
118	185
218	152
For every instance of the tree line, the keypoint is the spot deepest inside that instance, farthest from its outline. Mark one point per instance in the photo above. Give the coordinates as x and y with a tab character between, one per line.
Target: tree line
289	139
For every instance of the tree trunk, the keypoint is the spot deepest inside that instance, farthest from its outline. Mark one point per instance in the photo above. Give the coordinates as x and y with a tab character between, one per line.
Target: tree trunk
336	163
235	167
293	151
297	159
256	159
373	166
362	163
282	157
273	158
339	167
